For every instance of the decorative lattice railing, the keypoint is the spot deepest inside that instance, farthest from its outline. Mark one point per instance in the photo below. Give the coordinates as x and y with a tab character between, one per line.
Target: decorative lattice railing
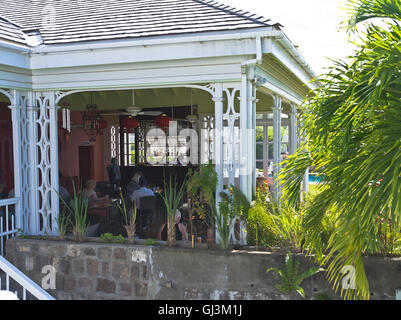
8	222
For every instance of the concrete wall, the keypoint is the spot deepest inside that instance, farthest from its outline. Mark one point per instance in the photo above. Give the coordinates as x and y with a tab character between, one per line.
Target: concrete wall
108	271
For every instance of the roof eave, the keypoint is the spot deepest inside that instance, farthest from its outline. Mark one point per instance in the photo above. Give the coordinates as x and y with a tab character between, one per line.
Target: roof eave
14	45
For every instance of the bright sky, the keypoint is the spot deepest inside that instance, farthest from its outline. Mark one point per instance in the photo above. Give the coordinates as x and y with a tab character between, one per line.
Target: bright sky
312	25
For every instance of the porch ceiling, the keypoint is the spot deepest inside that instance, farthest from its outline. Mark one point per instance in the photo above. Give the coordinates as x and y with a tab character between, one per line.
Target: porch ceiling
154	98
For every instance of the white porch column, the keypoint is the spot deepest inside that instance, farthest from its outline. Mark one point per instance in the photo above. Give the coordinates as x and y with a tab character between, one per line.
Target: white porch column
277	108
293	129
218	99
15	108
252	135
247	137
32	132
54	163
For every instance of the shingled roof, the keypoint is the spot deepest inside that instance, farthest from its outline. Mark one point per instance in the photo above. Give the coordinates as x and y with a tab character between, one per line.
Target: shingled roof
11	32
89	20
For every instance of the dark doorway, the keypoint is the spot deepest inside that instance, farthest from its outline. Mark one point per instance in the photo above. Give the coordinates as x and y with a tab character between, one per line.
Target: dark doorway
86	164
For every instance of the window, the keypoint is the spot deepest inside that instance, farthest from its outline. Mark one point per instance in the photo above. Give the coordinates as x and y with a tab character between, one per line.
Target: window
129	149
264	142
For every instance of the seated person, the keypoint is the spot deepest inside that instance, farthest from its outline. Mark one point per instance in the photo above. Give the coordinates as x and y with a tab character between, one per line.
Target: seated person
138	176
136	197
90	194
132	186
180	229
143	191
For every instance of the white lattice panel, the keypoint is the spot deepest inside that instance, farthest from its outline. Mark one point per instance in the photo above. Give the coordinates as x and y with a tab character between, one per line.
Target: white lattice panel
26	208
46	164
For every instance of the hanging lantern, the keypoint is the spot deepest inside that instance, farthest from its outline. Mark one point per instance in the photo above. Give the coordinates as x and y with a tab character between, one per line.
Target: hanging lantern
91	122
163	121
130	124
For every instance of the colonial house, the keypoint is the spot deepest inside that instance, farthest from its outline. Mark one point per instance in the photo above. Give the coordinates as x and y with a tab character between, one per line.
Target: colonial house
82	82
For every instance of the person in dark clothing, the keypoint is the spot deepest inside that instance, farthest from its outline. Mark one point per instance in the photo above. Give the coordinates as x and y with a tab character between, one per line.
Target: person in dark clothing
180	229
131	188
114	173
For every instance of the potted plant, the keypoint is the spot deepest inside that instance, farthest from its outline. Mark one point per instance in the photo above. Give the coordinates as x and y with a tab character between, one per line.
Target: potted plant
202	189
233	208
129	216
78	210
172	197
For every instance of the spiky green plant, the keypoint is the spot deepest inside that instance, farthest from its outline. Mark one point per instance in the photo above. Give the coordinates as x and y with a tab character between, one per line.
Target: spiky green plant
353	126
233	206
63	223
129	217
78	211
290	277
172	197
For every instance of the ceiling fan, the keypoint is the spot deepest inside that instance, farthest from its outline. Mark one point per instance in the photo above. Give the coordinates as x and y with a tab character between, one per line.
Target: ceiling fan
134	110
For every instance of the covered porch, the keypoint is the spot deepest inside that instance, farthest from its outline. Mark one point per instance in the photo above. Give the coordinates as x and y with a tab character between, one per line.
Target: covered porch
63	148
241	95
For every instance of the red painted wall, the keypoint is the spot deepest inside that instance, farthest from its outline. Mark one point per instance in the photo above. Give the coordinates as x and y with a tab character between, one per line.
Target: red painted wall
6	147
69	150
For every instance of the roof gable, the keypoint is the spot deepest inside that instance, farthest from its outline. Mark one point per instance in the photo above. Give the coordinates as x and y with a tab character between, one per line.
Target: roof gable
62	21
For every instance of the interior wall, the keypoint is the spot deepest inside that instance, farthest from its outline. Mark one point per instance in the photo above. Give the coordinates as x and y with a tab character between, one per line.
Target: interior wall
6	146
69	150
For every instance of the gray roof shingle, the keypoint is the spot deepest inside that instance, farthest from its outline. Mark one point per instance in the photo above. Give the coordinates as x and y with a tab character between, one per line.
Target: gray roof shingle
69	21
11	32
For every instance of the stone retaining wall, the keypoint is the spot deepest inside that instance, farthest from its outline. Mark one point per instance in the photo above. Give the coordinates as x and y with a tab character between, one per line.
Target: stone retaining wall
111	271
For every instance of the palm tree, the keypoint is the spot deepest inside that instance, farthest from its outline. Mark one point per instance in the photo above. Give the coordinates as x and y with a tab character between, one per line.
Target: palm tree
353	126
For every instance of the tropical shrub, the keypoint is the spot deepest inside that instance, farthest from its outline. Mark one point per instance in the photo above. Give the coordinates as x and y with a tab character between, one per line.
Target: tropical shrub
352	127
172	197
290	277
271	224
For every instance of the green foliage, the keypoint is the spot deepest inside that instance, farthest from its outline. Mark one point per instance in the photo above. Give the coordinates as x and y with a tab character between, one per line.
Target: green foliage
291	280
353	126
274	225
129	217
225	217
110	238
151	242
63	223
202	186
172	197
78	210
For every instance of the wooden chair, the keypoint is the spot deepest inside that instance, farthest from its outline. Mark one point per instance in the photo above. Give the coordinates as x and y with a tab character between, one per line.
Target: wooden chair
147	206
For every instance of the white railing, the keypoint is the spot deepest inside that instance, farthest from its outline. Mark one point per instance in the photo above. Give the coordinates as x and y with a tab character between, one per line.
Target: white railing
26	284
9	226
